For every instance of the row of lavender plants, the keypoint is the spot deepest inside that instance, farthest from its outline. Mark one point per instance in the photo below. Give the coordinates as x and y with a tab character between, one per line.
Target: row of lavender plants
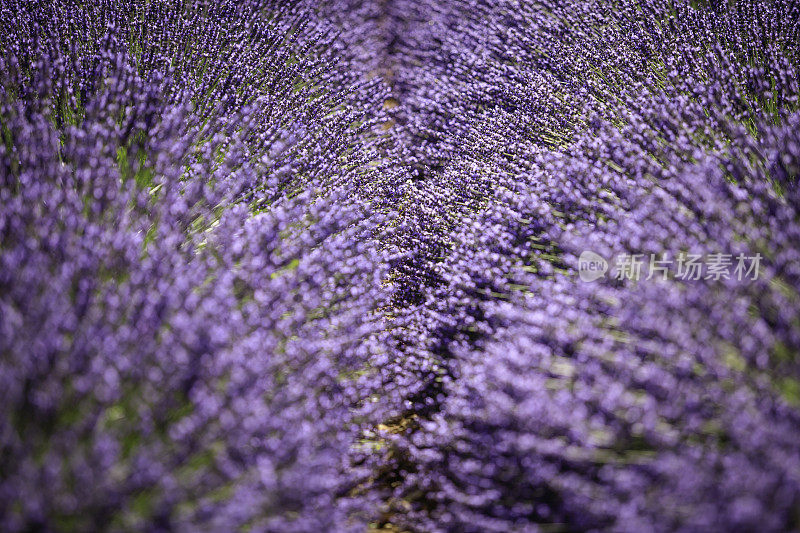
190	279
316	265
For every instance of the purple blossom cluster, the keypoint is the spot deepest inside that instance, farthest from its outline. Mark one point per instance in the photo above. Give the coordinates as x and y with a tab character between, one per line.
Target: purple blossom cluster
191	282
537	400
647	405
315	265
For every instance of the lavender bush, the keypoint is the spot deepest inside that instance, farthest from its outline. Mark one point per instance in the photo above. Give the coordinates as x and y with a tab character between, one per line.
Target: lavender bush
303	266
187	285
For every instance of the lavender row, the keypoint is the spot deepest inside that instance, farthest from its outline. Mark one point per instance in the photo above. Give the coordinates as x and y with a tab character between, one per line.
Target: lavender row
536	399
191	270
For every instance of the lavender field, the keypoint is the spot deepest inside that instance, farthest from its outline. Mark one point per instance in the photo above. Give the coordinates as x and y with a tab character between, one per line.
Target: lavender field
399	265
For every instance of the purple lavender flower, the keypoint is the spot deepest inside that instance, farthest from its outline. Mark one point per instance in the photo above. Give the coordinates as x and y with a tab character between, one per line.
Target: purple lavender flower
190	284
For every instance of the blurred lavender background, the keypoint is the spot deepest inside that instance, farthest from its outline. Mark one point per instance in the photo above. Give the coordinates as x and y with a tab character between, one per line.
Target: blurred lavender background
274	265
